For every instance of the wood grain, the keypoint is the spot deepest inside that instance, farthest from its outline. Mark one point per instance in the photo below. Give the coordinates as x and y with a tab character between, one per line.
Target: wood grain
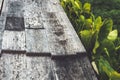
32	15
2	22
62	38
22	67
15	8
48	32
73	38
13	41
36	42
73	68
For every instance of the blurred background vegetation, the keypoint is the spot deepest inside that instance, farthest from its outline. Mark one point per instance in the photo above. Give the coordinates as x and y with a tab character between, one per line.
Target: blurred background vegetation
107	9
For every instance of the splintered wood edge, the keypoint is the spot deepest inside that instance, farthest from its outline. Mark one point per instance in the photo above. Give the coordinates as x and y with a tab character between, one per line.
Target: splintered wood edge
1	6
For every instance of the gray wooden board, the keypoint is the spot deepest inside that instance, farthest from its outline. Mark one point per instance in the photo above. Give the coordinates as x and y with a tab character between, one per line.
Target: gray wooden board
32	14
15	24
62	38
70	33
13	40
22	67
48	5
87	68
15	20
2	21
73	68
15	8
33	8
36	41
52	6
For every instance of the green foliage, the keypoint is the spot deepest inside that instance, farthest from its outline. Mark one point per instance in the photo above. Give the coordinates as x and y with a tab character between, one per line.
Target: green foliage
98	36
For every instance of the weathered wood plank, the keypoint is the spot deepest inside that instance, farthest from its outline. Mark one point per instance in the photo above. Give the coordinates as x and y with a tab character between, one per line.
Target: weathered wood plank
67	69
62	38
15	8
39	68
72	68
36	39
15	20
46	5
32	14
51	6
87	68
14	24
73	38
21	67
2	21
13	41
36	42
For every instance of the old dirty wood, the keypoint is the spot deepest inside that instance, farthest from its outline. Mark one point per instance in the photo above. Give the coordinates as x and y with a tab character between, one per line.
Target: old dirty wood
14	34
50	32
71	34
36	39
22	67
2	21
89	74
32	15
15	20
13	41
61	35
73	68
62	38
15	8
36	42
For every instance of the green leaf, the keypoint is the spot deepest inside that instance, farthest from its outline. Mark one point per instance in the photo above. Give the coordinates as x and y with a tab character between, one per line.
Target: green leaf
93	40
104	66
109	45
86	37
98	23
106	51
113	35
87	7
96	46
105	29
88	23
82	18
78	4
